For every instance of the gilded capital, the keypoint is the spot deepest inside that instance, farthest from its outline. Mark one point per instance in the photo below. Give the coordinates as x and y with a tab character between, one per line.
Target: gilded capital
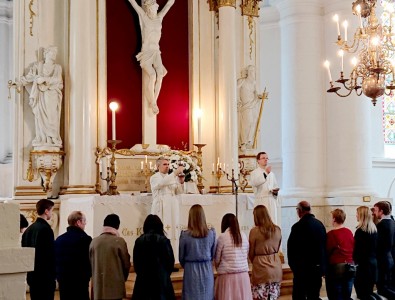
222	3
250	8
213	4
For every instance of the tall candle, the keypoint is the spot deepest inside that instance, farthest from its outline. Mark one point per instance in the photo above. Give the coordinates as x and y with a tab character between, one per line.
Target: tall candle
146	159
199	125
213	168
142	165
113	107
150	165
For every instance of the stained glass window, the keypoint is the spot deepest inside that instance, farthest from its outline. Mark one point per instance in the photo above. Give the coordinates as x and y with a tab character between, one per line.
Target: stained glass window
388	101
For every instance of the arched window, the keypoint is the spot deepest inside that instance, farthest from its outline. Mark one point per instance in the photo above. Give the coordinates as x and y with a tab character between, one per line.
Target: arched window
389	101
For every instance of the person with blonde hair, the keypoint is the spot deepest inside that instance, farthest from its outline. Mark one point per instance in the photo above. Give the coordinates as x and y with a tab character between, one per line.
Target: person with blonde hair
339	247
233	281
196	253
265	241
365	246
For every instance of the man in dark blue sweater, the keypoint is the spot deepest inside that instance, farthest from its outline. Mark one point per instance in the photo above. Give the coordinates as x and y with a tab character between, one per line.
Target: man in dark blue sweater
73	269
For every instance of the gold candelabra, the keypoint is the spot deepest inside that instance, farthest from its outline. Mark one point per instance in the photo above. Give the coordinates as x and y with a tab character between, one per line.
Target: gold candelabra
374	62
218	173
147	171
111	168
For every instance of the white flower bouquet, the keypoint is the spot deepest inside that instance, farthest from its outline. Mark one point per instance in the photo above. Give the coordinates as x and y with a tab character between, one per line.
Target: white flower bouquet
191	171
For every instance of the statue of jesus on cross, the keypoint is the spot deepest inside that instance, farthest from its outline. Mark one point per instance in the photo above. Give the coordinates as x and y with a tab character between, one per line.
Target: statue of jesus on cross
150	56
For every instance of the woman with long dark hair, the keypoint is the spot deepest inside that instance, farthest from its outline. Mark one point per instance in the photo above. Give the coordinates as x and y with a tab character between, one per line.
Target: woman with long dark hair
153	262
233	281
196	252
365	245
265	241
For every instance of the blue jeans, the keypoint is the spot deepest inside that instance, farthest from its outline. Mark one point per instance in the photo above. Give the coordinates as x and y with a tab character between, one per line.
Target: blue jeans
338	285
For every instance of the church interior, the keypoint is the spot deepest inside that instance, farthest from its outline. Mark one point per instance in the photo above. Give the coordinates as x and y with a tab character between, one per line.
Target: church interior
238	77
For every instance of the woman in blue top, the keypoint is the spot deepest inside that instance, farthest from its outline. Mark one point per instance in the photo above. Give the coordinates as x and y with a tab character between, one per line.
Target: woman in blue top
196	253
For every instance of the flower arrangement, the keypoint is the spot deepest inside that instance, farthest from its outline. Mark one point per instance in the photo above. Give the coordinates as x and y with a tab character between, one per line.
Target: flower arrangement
191	171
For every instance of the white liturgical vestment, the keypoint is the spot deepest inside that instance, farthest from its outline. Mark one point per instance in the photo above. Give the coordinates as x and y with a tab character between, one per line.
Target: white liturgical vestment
263	185
164	188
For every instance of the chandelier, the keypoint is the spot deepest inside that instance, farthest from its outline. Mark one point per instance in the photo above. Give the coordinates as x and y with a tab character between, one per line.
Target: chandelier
373	68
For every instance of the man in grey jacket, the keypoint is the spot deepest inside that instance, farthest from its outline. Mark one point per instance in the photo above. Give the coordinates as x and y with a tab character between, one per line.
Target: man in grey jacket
110	261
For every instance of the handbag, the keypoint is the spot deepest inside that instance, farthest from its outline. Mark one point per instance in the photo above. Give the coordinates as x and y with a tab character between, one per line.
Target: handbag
351	270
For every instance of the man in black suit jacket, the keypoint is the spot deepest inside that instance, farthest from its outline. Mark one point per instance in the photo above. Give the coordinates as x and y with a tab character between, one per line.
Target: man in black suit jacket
385	243
306	254
40	236
73	267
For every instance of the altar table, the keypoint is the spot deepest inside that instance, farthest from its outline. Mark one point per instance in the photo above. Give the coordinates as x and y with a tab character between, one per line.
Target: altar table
133	210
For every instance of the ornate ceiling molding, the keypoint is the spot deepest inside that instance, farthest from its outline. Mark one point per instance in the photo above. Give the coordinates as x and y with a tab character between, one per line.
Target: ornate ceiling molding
5	11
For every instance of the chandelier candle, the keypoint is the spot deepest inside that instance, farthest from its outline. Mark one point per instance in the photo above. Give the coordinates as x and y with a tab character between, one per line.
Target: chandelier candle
336	19
345	25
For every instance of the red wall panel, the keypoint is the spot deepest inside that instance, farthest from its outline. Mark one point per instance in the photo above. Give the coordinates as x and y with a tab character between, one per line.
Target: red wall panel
124	74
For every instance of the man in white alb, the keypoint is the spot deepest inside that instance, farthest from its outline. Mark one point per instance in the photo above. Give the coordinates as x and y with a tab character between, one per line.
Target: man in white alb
164	187
264	184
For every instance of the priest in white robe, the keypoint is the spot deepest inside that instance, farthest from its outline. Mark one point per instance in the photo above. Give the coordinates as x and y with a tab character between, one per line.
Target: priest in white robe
164	188
264	185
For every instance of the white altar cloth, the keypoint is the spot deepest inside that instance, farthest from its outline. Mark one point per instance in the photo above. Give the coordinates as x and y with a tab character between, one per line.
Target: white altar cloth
133	210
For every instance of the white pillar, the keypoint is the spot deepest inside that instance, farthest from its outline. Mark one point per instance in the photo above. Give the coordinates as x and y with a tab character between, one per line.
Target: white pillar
81	112
303	99
270	61
227	106
349	160
6	128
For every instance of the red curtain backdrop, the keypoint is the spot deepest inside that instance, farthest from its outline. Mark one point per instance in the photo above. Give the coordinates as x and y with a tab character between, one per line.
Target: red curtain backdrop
124	74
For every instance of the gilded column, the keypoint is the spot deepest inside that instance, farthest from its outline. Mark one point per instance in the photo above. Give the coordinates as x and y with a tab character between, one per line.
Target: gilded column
81	117
227	103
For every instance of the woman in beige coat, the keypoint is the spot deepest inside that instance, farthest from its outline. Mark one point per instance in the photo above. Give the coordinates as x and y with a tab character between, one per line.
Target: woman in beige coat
265	241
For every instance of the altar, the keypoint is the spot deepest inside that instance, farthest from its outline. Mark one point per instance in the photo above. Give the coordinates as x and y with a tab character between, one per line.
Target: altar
133	209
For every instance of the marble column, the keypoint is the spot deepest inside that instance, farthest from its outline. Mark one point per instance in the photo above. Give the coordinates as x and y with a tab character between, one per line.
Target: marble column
227	102
302	97
349	148
82	109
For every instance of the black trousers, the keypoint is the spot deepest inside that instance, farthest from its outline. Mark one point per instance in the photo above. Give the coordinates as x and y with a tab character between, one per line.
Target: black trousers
42	290
72	290
307	285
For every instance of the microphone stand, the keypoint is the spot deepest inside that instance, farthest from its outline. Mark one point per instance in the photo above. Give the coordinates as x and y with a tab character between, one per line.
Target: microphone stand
235	187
